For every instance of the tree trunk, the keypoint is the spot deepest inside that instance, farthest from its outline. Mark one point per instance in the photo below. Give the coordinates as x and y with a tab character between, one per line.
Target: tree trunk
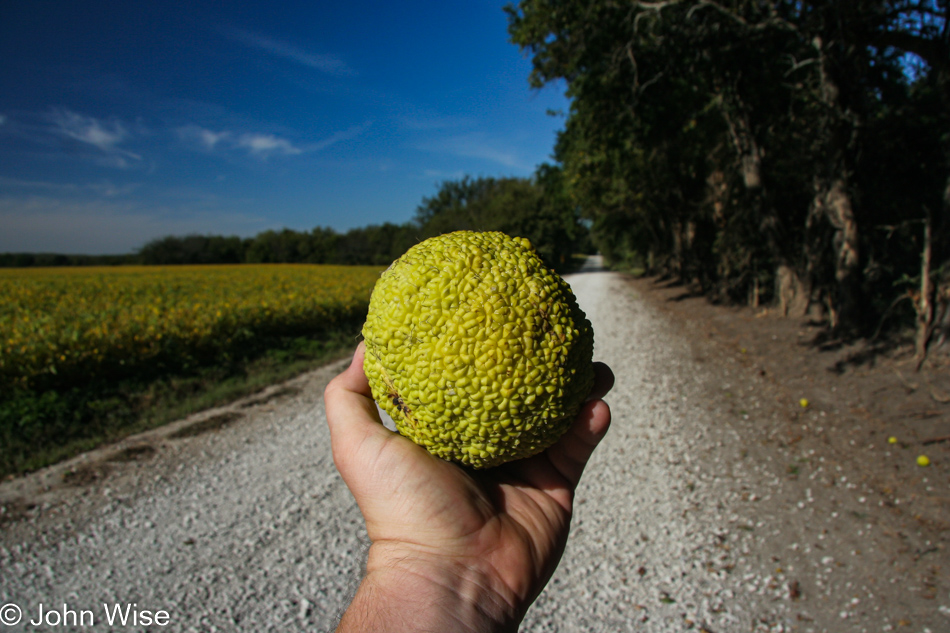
792	293
680	247
847	263
832	196
925	307
938	330
833	203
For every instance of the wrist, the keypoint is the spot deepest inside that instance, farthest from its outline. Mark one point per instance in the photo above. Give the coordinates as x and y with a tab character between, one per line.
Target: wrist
408	589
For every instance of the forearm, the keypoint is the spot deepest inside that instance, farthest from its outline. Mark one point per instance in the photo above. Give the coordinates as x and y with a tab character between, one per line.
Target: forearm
418	594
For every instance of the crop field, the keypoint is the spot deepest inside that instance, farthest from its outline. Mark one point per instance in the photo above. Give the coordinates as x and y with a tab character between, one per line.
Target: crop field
69	329
61	322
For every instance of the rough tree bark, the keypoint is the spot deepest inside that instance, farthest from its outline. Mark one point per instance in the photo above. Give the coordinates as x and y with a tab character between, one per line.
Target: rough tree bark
832	195
925	303
791	291
847	263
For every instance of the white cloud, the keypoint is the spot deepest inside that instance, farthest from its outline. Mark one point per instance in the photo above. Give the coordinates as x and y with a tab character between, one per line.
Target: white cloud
264	145
255	144
106	136
324	63
202	137
211	139
261	145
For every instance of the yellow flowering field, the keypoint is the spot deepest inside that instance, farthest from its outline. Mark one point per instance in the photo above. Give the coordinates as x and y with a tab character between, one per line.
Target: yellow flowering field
82	323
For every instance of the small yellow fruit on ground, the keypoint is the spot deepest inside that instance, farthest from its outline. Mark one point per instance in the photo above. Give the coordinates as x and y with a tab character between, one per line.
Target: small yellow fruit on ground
476	349
923	460
892	440
804	403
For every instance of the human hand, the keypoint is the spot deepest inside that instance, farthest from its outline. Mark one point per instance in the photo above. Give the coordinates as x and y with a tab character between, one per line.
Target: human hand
453	548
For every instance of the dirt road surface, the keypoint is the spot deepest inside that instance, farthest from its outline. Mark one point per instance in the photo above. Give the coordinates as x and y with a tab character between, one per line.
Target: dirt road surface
719	502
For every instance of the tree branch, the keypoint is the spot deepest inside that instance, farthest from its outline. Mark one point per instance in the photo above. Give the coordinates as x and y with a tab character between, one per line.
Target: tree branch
799	65
657	6
773	21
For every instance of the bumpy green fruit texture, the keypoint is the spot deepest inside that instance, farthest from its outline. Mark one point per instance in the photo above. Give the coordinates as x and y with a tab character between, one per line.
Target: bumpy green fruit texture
476	349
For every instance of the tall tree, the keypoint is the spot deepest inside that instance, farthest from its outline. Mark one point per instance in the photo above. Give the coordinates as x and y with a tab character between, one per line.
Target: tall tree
726	139
535	208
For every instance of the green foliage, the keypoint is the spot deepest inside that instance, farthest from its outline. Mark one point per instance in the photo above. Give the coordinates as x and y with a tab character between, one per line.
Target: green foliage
375	244
763	150
194	249
538	209
82	349
38	428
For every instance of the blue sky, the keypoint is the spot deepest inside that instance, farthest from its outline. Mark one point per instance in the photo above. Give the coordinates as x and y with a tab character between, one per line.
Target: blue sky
125	121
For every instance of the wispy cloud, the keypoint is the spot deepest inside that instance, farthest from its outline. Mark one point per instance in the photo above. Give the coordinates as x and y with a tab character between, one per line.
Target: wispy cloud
106	136
201	137
211	139
477	145
324	63
264	145
3	119
261	145
255	144
343	135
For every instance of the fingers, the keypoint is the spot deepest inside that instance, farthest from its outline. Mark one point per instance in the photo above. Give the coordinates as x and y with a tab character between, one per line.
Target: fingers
571	453
353	379
603	381
349	392
356	431
351	412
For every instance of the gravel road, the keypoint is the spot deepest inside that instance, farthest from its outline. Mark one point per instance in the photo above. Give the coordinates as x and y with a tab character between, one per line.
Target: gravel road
235	519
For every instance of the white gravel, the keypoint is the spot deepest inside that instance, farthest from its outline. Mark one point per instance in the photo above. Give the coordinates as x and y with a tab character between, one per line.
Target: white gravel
678	526
655	545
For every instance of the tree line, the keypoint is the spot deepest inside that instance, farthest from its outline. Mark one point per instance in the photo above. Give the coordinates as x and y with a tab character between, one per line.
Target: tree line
795	152
536	208
30	260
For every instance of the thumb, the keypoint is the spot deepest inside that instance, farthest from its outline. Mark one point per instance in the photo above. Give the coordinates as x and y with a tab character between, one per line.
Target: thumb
352	416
